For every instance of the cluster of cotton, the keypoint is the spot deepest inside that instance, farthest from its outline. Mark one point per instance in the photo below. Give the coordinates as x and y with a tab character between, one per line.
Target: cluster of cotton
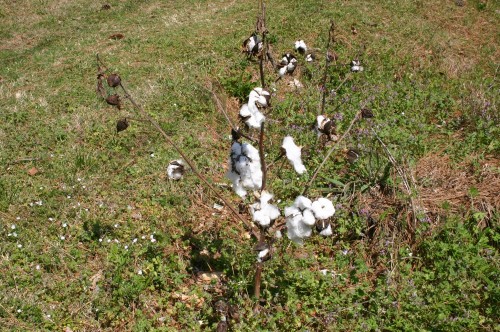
293	153
252	45
303	215
250	113
245	172
263	212
287	64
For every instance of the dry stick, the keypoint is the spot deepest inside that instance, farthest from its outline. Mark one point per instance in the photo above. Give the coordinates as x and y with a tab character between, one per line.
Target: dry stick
331	38
262	158
155	124
330	152
261	27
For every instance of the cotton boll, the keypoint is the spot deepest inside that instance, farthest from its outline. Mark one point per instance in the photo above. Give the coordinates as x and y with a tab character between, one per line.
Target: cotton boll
260	96
245	172
263	212
356	66
327	231
308	217
293	153
282	71
292	211
175	169
323	208
252	45
300	46
302	202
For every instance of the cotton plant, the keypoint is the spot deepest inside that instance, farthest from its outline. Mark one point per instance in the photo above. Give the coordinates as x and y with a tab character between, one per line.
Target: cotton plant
245	168
304	214
293	154
250	112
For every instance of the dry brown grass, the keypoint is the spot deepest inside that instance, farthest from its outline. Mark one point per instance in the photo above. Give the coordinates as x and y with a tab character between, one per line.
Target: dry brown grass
441	183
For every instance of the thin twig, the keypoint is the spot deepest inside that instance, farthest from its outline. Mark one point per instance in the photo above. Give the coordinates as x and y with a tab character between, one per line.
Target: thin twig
356	117
262	157
155	124
261	28
331	38
222	109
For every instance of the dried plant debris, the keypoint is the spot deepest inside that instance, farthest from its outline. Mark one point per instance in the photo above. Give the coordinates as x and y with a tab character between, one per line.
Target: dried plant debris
366	113
176	169
113	80
113	100
121	125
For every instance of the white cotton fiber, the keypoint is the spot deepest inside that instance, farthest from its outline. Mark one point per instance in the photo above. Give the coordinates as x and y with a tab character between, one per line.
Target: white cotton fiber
293	154
323	208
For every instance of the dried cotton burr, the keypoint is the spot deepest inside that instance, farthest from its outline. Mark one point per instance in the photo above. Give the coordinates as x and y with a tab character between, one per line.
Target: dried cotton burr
121	125
114	80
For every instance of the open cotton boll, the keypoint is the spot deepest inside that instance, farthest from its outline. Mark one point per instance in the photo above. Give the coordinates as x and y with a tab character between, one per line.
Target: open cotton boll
327	231
308	217
297	230
260	96
323	208
263	212
245	171
251	114
252	45
302	202
300	46
356	66
175	169
293	153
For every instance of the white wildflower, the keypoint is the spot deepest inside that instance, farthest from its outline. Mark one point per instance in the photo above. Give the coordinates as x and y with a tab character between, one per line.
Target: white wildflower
293	153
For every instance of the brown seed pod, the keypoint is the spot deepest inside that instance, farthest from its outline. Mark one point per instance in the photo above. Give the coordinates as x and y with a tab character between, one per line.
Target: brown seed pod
235	135
114	80
366	113
121	125
113	100
352	155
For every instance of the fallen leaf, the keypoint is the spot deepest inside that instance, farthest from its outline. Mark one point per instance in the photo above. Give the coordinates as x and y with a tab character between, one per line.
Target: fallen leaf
33	171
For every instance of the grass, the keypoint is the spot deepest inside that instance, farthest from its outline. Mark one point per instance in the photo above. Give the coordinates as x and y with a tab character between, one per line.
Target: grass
77	250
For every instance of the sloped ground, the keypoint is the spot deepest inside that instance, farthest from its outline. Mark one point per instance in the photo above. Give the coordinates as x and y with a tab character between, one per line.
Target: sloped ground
96	238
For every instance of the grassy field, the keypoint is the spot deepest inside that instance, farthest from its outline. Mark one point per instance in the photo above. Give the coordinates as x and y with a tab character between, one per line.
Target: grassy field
95	237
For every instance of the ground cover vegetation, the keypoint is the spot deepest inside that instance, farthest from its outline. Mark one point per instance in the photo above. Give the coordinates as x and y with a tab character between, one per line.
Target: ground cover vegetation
97	236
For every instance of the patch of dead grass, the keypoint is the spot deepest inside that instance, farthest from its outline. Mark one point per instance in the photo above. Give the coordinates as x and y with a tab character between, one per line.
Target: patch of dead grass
440	183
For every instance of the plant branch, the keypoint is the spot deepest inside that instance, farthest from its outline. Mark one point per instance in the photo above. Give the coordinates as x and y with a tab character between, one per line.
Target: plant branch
222	109
167	138
331	39
262	158
356	117
261	28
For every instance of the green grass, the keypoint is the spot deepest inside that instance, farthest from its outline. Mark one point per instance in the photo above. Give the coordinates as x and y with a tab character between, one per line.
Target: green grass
431	78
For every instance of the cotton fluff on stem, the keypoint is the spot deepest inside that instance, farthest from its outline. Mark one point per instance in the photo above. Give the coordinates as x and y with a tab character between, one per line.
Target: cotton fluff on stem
302	215
245	171
250	112
300	46
293	153
263	212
